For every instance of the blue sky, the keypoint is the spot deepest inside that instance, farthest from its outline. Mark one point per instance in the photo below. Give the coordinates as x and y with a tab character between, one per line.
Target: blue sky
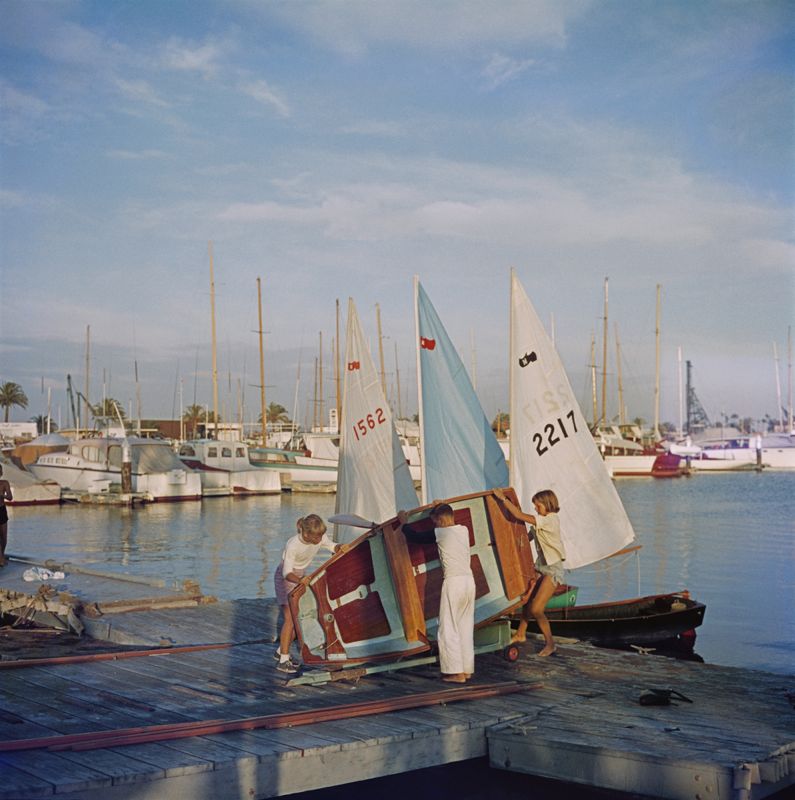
336	149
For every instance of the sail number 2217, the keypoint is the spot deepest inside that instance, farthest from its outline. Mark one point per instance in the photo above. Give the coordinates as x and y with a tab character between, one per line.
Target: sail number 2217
368	423
554	432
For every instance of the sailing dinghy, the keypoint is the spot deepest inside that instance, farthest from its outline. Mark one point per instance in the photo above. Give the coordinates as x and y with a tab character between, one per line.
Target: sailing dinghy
379	600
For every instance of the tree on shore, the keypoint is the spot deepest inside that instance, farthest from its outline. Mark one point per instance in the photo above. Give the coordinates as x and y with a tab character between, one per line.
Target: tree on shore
194	415
41	423
11	394
275	413
109	408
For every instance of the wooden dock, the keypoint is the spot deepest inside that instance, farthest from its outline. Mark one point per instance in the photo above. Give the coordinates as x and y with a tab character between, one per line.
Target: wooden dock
577	720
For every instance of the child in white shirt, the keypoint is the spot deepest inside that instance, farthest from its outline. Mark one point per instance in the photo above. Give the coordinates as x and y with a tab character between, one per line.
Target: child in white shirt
298	554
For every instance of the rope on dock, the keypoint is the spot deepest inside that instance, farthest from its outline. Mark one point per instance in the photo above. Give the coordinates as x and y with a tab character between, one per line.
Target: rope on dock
157	733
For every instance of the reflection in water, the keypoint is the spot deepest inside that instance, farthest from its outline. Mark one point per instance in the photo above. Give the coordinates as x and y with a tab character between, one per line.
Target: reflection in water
727	538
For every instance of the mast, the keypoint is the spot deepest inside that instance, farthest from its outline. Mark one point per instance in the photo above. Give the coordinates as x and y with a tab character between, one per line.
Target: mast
603	418
215	357
789	379
423	478
621	416
138	397
681	400
88	371
511	354
321	409
264	432
337	368
593	382
778	389
380	348
657	369
397	382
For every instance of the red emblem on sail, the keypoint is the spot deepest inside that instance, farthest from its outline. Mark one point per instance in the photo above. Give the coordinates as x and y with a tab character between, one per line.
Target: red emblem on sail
353	365
427	344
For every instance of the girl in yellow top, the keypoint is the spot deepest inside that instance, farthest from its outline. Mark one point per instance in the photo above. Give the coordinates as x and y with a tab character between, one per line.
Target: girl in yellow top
549	563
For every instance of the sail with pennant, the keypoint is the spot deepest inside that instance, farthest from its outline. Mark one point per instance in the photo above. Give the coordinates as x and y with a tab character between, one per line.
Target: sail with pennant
373	479
459	451
552	446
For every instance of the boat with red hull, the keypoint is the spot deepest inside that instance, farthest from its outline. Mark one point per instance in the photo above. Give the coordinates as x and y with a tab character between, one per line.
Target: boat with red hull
379	600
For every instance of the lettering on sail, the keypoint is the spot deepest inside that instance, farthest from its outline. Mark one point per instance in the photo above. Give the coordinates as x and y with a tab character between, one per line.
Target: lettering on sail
555	432
547	404
368	423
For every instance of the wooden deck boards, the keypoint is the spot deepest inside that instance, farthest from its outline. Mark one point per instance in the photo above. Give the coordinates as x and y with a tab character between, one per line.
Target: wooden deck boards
583	723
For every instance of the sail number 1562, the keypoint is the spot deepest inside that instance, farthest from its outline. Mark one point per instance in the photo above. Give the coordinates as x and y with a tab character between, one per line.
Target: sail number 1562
368	423
554	432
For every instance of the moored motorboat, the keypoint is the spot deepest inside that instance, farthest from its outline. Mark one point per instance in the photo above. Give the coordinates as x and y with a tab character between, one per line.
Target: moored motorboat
94	464
225	469
26	488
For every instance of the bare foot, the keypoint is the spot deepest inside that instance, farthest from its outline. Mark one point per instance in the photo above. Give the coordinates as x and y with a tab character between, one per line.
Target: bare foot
548	651
518	638
468	675
459	677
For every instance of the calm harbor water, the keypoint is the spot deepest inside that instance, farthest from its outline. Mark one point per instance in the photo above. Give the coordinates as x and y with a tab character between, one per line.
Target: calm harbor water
729	539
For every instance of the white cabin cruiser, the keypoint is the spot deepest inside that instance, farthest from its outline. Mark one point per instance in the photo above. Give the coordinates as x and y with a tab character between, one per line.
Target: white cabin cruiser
225	468
93	464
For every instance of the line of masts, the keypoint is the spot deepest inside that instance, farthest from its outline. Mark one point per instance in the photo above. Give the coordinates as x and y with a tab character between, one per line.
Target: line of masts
600	418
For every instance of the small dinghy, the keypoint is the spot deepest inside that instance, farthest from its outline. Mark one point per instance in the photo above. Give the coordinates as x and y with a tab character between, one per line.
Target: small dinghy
379	600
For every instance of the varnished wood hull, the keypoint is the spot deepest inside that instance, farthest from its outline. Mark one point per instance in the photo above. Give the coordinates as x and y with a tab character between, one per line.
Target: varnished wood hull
640	620
380	599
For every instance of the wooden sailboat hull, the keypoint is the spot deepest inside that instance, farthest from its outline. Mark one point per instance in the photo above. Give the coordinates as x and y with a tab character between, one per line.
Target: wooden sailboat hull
640	620
379	600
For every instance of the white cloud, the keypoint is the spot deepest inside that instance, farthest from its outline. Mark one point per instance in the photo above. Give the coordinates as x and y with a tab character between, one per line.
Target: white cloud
501	69
263	93
137	155
140	91
385	128
183	56
356	25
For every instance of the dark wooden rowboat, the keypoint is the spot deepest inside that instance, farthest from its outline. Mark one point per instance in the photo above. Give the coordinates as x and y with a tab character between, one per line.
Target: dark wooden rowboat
639	620
379	600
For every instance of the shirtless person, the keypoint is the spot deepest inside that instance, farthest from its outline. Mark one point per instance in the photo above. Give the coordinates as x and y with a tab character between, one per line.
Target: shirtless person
5	494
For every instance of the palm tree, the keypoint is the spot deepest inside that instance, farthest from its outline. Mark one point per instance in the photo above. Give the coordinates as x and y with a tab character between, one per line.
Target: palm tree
196	414
11	394
275	413
41	423
108	408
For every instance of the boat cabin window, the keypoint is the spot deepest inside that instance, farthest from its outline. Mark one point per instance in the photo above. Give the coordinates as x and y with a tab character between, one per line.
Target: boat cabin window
212	452
91	453
240	452
187	450
114	455
226	452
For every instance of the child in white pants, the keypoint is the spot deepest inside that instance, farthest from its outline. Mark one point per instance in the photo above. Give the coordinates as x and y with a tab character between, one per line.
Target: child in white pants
456	635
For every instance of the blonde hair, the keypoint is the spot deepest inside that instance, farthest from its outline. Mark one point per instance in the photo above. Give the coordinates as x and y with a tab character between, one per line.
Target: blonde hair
548	499
312	524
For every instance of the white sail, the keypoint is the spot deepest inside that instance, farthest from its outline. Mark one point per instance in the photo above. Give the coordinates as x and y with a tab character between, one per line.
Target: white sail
552	447
373	479
459	451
